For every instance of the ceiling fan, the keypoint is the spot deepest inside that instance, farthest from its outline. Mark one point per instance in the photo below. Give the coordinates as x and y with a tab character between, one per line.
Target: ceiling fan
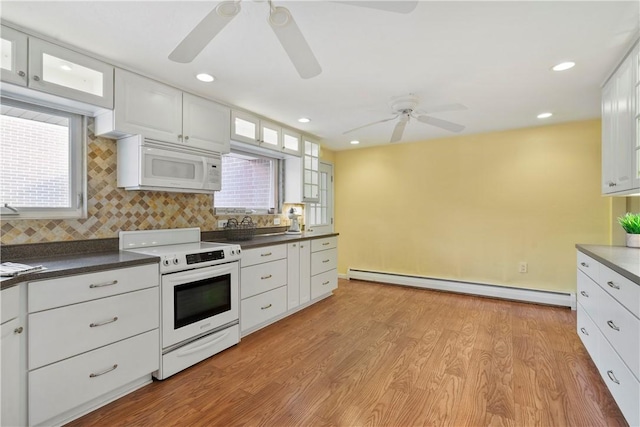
283	25
404	109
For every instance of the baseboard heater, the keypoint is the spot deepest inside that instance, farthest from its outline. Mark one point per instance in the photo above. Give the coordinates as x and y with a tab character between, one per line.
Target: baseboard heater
564	299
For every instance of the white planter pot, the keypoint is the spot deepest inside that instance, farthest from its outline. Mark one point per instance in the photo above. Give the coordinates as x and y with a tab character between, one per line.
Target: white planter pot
633	240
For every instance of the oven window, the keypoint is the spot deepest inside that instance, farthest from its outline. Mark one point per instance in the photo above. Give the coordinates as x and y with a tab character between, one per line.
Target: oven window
200	300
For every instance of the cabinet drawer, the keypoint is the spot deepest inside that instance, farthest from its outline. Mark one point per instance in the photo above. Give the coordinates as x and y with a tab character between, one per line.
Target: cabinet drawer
324	283
67	331
589	295
622	289
589	266
262	255
260	308
322	244
588	333
46	294
324	261
622	330
64	385
262	277
624	388
9	303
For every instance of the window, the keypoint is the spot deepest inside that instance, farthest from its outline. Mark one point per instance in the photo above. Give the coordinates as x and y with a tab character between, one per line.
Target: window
42	153
249	181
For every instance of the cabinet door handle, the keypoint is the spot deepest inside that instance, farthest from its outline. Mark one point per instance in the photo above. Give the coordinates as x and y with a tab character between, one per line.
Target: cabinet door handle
584	294
106	322
186	138
613	285
266	277
612	325
18	330
266	306
102	285
21	73
326	243
584	331
36	78
310	230
106	371
325	283
267	254
584	264
613	377
326	261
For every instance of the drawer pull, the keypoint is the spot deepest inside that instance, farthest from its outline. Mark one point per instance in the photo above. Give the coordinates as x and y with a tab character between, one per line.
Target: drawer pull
613	285
266	306
584	294
266	254
613	377
326	243
106	322
584	264
106	371
584	331
612	325
18	330
102	285
266	277
325	261
326	283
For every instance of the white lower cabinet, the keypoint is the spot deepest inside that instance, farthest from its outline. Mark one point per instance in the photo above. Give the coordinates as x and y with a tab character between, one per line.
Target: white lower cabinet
609	332
92	338
12	374
62	386
278	280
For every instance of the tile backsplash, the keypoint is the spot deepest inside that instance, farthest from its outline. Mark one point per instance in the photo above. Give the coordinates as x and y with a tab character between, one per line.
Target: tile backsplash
111	209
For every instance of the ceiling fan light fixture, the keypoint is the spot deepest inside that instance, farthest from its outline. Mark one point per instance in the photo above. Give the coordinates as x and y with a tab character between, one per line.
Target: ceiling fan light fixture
279	16
204	77
563	66
228	9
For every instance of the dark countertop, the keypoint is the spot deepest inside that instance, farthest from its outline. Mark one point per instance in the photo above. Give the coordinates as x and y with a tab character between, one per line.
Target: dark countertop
621	259
67	265
274	239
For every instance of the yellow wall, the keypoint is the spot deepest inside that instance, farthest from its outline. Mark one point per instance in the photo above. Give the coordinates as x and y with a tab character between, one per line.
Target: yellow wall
470	208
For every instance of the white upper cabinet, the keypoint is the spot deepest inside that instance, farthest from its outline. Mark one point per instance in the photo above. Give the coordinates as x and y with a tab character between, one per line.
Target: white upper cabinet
53	70
13	57
157	111
250	129
620	158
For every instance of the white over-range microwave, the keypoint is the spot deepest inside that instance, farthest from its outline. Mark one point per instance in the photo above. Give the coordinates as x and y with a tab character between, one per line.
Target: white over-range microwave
145	164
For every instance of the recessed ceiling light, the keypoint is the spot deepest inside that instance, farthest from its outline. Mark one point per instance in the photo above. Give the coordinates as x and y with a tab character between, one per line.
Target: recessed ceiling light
204	77
544	115
355	142
304	120
66	67
564	66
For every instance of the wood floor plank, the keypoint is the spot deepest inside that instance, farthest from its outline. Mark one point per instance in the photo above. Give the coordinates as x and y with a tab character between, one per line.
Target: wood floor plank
380	355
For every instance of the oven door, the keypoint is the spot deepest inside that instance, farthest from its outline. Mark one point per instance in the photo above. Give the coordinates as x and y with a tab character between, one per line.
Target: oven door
197	301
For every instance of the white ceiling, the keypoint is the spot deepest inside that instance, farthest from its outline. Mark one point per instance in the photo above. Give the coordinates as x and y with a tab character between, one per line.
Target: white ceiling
493	57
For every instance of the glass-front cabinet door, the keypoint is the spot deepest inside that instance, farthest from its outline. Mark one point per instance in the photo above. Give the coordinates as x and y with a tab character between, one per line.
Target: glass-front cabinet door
270	135
13	56
310	176
59	71
245	127
291	142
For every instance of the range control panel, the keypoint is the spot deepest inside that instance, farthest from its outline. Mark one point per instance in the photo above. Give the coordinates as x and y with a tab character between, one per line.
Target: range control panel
205	256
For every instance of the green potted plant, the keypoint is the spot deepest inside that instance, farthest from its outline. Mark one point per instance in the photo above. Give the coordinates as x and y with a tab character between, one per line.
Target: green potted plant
631	224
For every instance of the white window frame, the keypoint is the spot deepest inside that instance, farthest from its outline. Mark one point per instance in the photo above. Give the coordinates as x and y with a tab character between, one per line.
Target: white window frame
77	173
277	187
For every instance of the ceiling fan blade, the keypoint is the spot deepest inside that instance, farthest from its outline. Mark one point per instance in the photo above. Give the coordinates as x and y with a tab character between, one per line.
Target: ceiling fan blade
398	6
444	124
293	42
370	124
444	108
205	31
398	131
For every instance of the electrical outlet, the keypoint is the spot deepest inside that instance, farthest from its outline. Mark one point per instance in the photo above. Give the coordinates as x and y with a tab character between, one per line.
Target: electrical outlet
522	267
276	221
222	223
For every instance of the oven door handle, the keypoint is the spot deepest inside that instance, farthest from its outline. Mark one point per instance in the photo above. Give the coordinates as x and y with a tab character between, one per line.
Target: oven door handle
200	274
198	348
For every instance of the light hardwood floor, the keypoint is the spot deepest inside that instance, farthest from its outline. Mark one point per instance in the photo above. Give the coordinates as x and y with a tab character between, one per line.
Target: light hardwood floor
389	356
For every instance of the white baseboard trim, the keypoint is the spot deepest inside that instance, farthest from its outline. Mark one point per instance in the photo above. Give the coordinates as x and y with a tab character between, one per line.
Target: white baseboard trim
564	299
343	276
